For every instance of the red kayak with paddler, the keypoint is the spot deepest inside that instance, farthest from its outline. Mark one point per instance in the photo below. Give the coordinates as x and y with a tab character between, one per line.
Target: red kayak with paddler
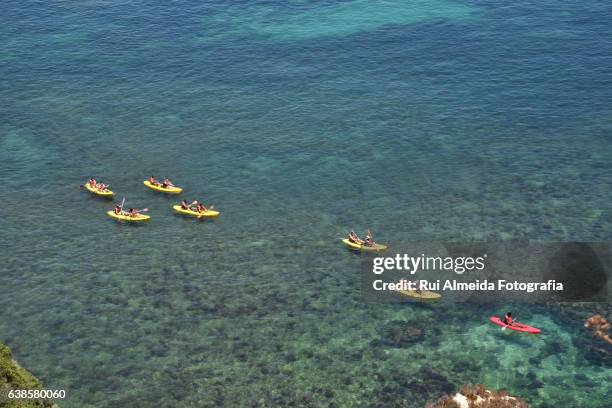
508	322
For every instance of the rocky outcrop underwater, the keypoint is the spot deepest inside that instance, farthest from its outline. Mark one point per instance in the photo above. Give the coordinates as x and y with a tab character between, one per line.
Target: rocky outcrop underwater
600	327
596	348
477	396
14	377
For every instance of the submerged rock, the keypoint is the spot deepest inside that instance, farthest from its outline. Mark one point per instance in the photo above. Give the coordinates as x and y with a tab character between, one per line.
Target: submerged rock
477	396
429	382
600	327
597	349
398	333
398	389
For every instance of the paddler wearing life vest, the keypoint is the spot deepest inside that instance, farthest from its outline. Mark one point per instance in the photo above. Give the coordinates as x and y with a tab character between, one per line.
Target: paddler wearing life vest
354	238
166	183
188	206
153	181
508	319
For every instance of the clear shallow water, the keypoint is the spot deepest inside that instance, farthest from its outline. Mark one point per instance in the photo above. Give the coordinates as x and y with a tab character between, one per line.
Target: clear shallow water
425	121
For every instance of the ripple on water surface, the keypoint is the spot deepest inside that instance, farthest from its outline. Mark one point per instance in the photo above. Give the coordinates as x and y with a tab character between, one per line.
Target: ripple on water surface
440	120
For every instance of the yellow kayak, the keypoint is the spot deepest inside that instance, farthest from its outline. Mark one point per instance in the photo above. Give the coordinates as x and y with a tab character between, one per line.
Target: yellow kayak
169	190
361	247
424	295
209	213
93	190
121	217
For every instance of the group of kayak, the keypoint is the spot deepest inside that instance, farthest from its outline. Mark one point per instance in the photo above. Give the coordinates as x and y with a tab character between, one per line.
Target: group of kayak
507	322
198	209
195	208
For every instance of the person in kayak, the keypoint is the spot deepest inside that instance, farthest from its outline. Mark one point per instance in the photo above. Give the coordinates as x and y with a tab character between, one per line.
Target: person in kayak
166	183
508	319
368	240
201	208
102	187
186	206
352	237
132	212
153	181
118	210
92	182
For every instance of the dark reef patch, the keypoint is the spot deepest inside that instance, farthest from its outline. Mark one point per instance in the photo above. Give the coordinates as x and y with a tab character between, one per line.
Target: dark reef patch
399	333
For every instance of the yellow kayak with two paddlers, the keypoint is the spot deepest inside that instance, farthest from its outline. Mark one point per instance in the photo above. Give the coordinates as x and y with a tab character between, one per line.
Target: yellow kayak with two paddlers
362	247
167	190
91	189
421	295
197	214
128	218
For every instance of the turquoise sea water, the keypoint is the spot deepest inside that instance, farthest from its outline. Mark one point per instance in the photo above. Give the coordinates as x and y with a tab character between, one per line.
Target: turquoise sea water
423	120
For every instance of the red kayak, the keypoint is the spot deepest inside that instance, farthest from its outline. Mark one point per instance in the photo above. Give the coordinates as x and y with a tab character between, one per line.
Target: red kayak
515	326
